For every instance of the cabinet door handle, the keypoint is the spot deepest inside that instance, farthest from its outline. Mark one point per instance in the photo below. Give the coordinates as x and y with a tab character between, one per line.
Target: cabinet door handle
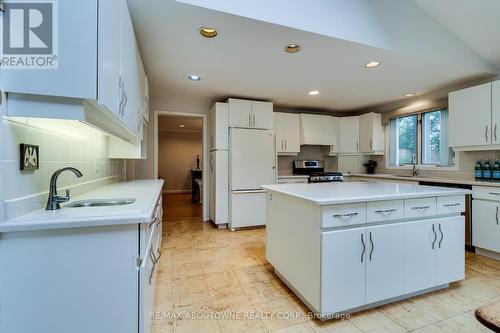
253	120
371	144
249	121
282	145
345	215
435	237
373	247
286	144
494	193
385	211
496	215
364	247
357	145
486	133
442	235
451	205
495	132
420	207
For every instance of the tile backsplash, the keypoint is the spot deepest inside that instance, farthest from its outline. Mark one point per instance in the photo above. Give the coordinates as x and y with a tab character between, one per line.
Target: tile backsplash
62	143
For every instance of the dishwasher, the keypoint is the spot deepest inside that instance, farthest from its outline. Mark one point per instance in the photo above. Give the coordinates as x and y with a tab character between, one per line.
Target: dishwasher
468	210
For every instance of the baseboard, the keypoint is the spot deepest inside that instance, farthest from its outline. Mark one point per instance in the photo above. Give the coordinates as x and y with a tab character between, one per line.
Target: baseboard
488	253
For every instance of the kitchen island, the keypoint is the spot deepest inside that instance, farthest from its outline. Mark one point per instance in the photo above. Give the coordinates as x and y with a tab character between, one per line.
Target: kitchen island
345	247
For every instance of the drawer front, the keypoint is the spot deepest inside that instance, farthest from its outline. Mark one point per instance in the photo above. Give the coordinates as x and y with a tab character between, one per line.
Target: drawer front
486	193
292	180
344	215
384	210
450	204
421	207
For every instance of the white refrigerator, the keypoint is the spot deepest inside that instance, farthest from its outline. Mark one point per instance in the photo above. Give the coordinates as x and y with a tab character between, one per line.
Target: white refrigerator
252	163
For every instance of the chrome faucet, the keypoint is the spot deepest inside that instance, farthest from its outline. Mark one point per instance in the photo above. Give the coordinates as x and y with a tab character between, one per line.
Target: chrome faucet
54	199
414	169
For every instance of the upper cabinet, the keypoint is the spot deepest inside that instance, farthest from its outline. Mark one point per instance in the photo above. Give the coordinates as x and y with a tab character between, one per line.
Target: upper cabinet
287	126
250	114
473	122
349	135
318	130
218	126
371	134
100	77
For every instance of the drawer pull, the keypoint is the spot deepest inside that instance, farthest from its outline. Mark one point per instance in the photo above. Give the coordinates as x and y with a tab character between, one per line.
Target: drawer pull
420	207
385	211
451	205
496	215
345	215
494	193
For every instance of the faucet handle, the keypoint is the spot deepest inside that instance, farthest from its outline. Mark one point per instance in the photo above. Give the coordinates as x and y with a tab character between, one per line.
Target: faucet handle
67	194
63	199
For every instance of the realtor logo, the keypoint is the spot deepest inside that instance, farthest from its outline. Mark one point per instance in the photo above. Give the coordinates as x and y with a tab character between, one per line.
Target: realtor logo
29	35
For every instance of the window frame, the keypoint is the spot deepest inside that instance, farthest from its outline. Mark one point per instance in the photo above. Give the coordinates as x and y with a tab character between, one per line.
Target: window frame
420	165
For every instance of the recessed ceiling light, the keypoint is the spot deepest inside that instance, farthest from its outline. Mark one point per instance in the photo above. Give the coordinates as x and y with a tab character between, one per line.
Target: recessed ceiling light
208	32
182	126
372	64
410	94
313	92
292	48
194	77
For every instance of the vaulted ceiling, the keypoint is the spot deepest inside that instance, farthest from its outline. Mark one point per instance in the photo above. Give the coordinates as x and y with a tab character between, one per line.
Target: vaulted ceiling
338	38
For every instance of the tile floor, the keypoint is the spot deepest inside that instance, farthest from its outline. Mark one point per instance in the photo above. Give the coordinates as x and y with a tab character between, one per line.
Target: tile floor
208	277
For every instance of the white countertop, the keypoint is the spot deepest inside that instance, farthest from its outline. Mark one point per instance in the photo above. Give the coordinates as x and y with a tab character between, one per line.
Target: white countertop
293	176
425	179
144	191
350	192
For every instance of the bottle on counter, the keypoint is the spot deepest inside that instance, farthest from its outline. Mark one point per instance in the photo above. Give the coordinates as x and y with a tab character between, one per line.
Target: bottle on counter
496	171
487	170
478	170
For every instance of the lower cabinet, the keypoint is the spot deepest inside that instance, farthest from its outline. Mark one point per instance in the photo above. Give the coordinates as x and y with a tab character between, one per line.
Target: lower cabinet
387	261
485	224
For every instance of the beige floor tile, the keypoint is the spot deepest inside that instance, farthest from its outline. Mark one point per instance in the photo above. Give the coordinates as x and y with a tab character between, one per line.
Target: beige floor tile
247	320
229	299
374	321
279	314
193	303
190	284
408	315
300	328
334	326
464	323
221	280
196	325
186	269
264	291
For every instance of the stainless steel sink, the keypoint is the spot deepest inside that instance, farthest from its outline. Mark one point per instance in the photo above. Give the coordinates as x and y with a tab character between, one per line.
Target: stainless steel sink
101	202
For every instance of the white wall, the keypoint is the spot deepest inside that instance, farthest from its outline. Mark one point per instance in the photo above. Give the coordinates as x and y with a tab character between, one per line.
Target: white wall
62	143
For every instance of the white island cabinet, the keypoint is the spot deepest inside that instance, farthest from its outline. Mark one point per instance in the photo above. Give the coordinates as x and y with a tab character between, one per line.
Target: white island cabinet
344	247
88	269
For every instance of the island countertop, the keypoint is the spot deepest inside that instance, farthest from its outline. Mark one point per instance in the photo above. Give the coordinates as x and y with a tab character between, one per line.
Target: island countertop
144	191
351	192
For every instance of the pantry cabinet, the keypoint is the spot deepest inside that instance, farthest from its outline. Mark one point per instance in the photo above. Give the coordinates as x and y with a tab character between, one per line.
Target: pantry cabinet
475	111
349	135
218	127
250	114
371	134
287	127
100	79
318	130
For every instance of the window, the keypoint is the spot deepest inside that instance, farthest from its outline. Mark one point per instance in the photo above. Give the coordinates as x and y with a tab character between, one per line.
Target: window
423	137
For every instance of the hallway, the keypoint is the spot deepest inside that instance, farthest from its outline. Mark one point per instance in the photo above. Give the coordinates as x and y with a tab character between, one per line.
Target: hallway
212	280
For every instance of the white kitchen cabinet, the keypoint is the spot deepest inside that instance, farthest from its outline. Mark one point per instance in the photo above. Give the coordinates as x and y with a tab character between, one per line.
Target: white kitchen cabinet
371	134
287	127
250	114
470	112
218	126
485	224
343	251
495	112
450	256
100	73
318	130
349	135
384	258
125	150
247	209
292	180
219	186
419	266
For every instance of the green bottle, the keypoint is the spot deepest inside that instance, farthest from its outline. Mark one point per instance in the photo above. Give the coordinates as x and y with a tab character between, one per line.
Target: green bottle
487	170
478	170
496	171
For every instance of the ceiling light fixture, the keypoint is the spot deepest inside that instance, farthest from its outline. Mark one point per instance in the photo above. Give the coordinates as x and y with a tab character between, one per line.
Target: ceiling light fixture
313	92
208	32
194	77
182	126
372	64
409	94
292	48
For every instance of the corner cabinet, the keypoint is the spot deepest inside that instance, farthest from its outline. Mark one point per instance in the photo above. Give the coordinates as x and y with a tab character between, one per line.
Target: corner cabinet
250	114
475	111
100	79
287	127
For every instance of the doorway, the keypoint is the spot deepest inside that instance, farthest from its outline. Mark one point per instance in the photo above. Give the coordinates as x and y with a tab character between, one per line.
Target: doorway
179	160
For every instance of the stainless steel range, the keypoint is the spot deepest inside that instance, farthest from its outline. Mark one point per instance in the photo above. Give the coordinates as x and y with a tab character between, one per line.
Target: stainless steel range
316	171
